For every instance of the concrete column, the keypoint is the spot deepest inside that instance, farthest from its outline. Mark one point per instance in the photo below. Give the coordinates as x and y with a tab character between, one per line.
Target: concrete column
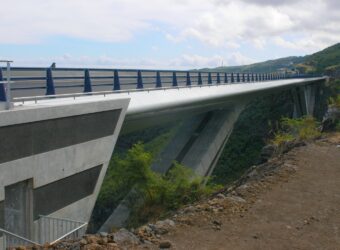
309	92
198	144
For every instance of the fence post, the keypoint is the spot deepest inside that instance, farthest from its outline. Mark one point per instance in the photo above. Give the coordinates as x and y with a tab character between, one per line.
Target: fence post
188	79
218	78
248	77
87	81
50	90
200	82
238	77
116	81
2	88
252	77
139	80
225	78
158	80
174	80
243	77
232	77
209	78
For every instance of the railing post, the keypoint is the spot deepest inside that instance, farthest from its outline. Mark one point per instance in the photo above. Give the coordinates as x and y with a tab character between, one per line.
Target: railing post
200	82
2	88
232	77
256	77
238	77
252	77
50	90
218	78
225	78
209	78
188	79
158	80
174	80
116	81
139	80
243	77
87	81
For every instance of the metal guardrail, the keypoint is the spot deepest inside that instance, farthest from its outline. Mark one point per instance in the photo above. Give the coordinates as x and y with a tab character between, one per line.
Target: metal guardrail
55	81
47	231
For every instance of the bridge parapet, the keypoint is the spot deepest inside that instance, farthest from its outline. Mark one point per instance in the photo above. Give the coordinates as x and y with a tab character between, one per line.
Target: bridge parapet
29	81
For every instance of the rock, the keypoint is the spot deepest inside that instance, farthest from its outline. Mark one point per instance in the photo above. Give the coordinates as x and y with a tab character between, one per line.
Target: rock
220	196
94	246
124	236
165	244
103	234
83	242
92	239
189	209
112	246
267	152
236	199
162	227
217	222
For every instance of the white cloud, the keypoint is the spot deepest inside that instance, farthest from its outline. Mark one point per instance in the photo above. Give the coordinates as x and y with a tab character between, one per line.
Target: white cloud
217	23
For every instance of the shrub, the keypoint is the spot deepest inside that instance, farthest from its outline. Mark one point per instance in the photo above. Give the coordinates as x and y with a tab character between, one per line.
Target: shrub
334	101
154	194
305	128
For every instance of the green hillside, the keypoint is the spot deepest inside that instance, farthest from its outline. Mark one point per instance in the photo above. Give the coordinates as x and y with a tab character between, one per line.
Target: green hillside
325	61
267	66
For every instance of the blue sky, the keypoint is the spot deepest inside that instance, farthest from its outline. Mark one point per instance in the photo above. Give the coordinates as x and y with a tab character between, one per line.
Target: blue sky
163	33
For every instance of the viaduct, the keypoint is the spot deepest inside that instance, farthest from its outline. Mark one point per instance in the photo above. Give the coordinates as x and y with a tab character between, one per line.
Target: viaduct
58	129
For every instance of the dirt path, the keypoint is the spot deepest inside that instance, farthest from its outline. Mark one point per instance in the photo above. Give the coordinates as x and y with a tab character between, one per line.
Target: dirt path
295	207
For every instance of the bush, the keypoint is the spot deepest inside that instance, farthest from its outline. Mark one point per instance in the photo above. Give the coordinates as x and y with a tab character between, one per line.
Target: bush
164	193
154	194
305	128
334	101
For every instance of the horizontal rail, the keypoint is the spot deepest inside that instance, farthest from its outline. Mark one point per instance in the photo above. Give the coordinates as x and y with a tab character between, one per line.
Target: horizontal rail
19	237
74	95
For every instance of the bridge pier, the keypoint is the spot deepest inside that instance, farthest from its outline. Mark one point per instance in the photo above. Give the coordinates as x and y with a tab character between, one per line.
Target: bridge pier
304	99
198	145
200	141
53	159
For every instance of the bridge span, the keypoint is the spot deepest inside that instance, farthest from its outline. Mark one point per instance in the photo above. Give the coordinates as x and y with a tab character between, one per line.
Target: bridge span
55	148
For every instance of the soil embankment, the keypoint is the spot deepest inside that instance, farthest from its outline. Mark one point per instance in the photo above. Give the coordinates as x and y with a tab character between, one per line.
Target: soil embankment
293	202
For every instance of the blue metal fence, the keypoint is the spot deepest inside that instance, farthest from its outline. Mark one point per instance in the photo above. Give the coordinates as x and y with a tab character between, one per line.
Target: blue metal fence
52	80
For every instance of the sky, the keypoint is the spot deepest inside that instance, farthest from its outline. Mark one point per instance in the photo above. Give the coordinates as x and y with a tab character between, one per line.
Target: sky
163	34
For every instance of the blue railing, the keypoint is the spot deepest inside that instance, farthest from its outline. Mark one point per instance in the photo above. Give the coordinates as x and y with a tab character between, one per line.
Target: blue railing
52	81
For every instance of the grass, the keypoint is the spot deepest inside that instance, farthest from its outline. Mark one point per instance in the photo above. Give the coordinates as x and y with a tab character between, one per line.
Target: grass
300	129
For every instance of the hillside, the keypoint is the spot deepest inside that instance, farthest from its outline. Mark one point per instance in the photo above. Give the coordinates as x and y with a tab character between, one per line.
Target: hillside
325	61
271	65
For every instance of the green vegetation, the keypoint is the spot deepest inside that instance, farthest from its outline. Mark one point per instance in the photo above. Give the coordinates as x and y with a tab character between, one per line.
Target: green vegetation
325	61
305	128
335	101
159	193
264	67
163	193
